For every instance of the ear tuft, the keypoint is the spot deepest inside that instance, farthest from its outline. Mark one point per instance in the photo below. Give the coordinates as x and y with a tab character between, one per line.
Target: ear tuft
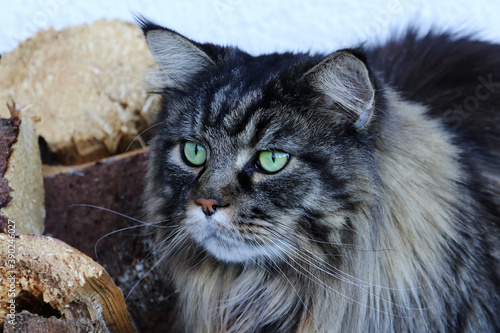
178	58
345	82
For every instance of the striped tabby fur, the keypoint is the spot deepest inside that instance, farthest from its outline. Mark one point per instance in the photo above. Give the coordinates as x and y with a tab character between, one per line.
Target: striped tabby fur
385	218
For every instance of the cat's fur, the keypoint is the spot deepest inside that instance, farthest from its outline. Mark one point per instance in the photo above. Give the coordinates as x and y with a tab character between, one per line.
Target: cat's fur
386	217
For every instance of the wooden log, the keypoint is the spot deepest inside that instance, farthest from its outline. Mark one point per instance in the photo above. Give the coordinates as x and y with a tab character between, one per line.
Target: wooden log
74	197
88	93
21	180
45	275
28	322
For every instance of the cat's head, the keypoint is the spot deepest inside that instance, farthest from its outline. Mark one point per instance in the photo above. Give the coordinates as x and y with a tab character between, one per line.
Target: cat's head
256	156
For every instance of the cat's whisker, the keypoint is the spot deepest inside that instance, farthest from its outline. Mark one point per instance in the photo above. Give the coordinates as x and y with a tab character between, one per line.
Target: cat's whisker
303	239
121	230
180	242
138	78
199	261
140	135
116	213
142	224
362	284
319	282
316	279
172	240
289	282
158	245
157	263
298	253
302	251
289	230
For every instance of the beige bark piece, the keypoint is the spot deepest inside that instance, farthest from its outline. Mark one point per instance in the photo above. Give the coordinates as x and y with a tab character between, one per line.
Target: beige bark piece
24	176
62	277
85	85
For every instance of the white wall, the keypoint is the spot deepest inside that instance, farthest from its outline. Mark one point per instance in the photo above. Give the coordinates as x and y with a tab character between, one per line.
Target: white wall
259	25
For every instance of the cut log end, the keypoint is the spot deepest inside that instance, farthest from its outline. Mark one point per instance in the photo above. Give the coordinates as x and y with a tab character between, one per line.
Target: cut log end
52	279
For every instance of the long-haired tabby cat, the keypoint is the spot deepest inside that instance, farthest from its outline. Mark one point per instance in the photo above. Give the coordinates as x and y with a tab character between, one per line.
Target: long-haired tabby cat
353	192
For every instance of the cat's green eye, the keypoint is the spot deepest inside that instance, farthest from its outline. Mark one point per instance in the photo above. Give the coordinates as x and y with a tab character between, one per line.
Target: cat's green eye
272	161
195	153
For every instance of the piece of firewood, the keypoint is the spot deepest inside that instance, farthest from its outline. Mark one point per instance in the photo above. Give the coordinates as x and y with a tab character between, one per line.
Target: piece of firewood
28	322
86	85
21	179
46	276
114	184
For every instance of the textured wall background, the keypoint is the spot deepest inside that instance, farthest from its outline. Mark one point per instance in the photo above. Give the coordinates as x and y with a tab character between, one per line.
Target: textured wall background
259	25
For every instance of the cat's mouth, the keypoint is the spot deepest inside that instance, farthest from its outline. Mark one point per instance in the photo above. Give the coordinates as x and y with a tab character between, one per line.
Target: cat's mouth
218	236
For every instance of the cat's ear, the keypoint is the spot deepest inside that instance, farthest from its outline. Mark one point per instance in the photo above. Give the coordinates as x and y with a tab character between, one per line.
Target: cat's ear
344	81
179	59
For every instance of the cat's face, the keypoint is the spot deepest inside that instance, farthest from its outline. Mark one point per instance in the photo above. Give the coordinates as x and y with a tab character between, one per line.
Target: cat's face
254	158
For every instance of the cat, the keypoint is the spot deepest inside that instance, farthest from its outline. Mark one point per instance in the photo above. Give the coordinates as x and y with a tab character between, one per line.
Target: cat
352	192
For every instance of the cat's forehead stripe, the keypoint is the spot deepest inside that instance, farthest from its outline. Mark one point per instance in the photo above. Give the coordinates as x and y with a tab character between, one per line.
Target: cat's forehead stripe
219	99
231	107
236	112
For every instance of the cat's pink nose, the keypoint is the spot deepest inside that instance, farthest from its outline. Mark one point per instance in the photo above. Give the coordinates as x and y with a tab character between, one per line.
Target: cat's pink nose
209	205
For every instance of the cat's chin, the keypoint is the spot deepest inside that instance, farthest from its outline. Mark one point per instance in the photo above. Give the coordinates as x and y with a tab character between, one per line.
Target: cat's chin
239	252
216	236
